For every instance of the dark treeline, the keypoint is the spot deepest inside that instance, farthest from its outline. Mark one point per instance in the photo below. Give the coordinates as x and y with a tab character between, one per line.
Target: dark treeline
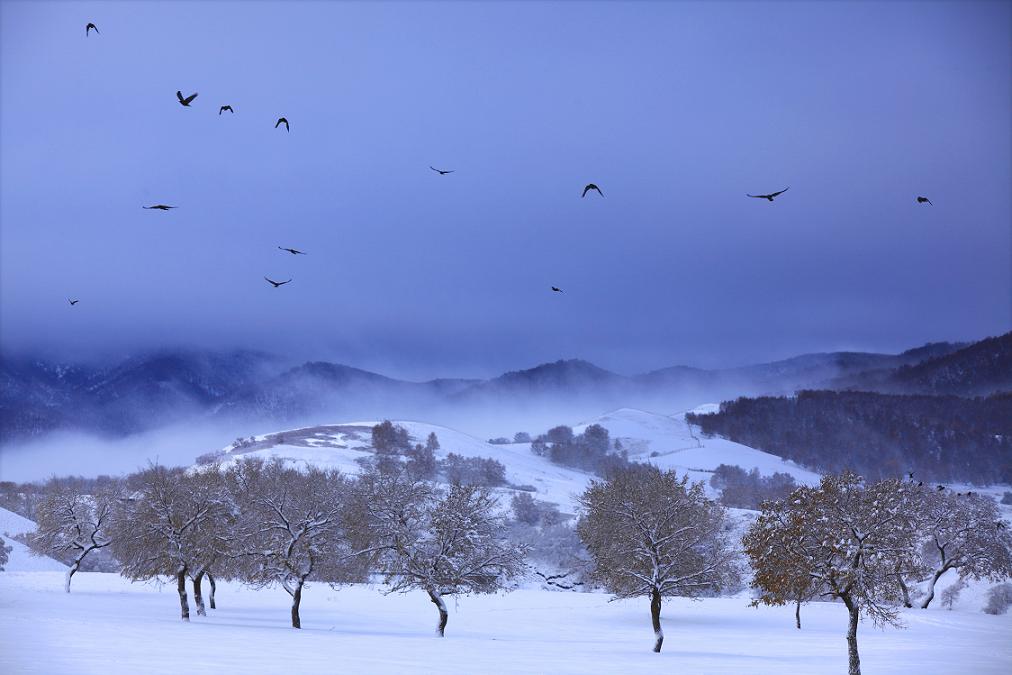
591	451
749	489
940	438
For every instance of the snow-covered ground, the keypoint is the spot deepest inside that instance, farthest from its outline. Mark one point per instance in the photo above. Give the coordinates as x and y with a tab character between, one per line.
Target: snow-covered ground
108	626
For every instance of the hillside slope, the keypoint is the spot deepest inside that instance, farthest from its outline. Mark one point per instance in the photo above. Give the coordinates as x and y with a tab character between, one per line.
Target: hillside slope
667	442
21	559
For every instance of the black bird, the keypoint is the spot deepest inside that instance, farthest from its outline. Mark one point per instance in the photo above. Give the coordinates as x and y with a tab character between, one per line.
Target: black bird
920	483
160	207
441	172
72	302
921	200
911	474
89	28
185	102
589	187
293	251
280	120
769	196
277	283
941	487
556	289
224	108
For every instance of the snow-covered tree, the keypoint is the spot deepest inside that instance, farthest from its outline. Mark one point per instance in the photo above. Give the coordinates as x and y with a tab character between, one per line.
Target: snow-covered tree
4	552
999	599
653	534
72	524
290	528
951	594
161	527
963	532
843	536
448	543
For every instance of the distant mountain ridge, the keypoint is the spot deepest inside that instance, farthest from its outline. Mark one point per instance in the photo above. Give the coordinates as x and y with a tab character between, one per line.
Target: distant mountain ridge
979	369
165	387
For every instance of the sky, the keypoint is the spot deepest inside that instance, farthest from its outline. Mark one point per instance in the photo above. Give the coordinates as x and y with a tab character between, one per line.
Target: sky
676	110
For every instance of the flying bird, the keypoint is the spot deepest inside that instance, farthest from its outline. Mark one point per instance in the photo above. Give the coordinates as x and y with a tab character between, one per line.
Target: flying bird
556	289
911	475
185	102
89	28
941	487
277	283
441	172
160	207
293	251
224	108
280	121
589	187
921	200
770	196
72	302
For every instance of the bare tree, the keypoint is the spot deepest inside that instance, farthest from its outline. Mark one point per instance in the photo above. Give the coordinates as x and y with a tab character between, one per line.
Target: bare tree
653	534
966	533
843	536
72	524
290	528
4	552
443	544
161	527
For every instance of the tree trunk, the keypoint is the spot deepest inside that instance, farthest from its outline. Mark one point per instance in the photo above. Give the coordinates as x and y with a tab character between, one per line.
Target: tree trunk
198	596
905	590
296	601
655	618
931	587
184	606
797	614
444	616
210	578
70	572
854	667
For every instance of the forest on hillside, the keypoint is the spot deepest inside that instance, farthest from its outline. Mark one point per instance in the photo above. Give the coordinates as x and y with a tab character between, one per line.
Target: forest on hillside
939	438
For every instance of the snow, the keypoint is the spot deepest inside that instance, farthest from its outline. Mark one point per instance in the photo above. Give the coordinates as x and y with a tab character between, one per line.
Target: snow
109	626
20	558
666	441
669	442
338	446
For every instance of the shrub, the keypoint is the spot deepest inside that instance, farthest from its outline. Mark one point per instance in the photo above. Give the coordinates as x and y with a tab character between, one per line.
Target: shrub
482	471
999	598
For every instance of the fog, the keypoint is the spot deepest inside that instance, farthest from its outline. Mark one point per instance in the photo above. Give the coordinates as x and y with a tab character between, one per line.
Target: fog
64	453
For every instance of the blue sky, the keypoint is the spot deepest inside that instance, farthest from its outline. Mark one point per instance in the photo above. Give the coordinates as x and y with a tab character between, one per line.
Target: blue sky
675	110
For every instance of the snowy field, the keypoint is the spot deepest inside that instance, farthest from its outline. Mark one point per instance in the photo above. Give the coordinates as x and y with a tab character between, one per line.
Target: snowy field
109	626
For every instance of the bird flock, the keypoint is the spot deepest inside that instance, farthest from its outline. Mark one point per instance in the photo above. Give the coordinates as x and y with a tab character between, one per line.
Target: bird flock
187	101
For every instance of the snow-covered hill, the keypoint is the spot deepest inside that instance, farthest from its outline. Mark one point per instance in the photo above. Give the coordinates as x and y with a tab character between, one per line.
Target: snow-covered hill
669	442
665	441
21	559
338	446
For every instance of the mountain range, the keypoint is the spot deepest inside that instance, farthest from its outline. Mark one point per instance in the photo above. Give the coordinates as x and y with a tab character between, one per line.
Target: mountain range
153	390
